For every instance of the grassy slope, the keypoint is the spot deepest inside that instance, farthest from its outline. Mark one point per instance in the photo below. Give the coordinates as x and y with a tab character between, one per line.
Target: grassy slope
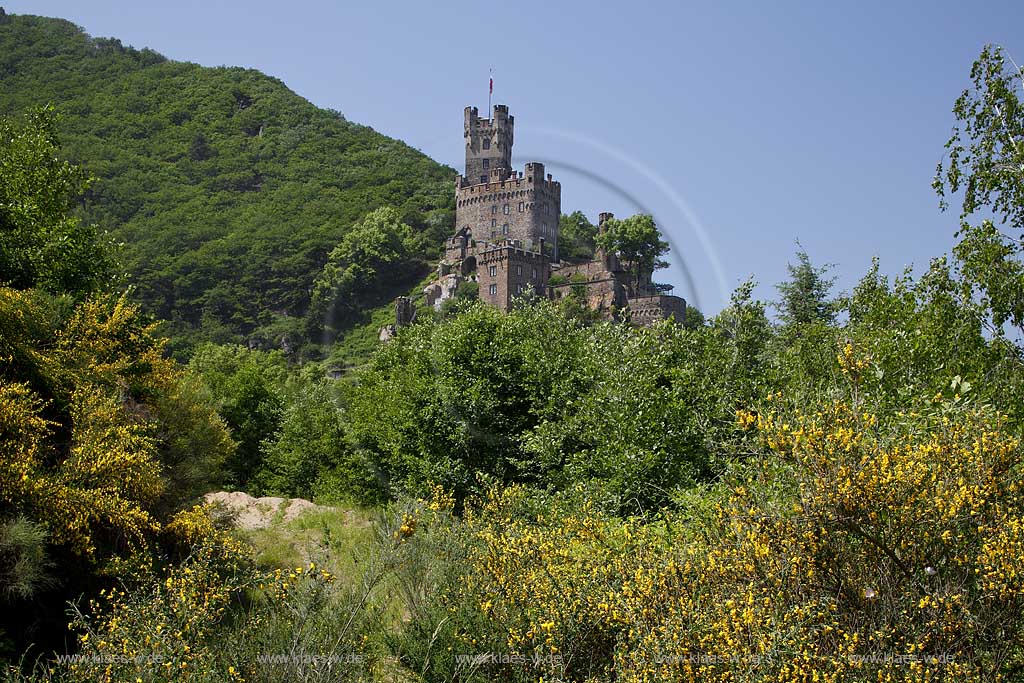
344	541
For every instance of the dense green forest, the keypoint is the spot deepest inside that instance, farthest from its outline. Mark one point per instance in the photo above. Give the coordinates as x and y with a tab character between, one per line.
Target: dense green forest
225	190
831	493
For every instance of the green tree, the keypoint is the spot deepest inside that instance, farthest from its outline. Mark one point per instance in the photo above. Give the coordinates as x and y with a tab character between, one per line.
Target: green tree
310	456
253	411
804	298
985	154
694	318
42	244
746	327
369	260
637	242
985	160
538	397
577	237
251	390
195	443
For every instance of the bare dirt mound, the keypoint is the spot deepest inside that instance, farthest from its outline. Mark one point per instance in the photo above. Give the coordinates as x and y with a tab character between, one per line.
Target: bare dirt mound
259	513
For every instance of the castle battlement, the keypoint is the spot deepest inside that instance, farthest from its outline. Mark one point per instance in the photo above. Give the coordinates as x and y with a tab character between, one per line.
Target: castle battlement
503	251
501	179
494	191
645	310
488	145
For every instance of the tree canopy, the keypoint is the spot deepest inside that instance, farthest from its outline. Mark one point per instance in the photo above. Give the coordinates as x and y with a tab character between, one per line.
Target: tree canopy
804	298
637	241
371	261
42	244
577	237
985	161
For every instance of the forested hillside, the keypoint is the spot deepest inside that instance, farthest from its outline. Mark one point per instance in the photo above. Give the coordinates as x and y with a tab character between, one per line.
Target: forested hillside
227	190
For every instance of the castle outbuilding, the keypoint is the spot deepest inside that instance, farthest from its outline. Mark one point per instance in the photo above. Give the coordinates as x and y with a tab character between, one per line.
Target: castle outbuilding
507	237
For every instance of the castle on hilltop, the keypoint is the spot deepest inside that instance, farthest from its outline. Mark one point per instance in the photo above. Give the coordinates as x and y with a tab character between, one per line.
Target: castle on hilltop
507	239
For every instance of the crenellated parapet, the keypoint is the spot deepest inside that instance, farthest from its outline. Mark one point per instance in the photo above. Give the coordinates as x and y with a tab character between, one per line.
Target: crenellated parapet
647	310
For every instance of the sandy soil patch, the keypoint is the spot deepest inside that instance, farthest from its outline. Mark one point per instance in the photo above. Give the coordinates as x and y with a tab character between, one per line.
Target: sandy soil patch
260	513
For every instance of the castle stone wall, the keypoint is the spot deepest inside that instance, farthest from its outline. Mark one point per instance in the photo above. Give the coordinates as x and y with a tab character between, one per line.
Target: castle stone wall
647	310
505	272
521	208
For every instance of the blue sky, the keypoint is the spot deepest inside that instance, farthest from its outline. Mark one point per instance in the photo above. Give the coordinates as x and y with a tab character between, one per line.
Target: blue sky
741	126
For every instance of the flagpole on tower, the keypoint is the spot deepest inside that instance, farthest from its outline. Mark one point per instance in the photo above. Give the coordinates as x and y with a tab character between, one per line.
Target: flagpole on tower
490	91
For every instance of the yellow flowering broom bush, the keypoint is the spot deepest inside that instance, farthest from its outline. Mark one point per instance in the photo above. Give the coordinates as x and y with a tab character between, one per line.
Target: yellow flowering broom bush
84	400
71	455
895	561
524	587
215	618
165	624
92	418
861	548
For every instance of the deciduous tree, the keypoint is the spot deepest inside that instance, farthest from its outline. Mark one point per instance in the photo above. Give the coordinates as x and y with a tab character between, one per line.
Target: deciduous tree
637	241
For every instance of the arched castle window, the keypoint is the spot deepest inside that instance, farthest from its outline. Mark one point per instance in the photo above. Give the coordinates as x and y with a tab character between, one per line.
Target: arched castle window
492	290
505	209
492	271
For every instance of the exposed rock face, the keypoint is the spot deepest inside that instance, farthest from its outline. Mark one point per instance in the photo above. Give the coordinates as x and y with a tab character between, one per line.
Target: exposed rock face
405	314
258	513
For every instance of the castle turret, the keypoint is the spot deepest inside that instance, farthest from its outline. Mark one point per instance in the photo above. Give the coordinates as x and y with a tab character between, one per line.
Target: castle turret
488	145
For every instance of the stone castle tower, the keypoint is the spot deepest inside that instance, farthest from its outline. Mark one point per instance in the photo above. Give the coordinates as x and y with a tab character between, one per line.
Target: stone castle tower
488	144
506	240
494	202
